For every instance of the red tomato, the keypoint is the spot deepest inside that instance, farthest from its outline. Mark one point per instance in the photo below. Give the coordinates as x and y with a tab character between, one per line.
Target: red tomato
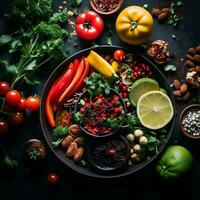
13	97
3	126
4	86
53	179
16	119
32	103
22	104
89	25
119	55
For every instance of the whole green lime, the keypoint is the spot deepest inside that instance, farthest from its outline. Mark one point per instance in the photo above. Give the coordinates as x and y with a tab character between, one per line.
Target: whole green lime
174	162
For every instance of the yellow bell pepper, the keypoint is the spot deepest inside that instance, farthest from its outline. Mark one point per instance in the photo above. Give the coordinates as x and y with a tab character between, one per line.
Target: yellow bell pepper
115	66
134	25
100	64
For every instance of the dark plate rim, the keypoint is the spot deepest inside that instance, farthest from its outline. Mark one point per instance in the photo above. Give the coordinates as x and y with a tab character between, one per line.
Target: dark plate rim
82	170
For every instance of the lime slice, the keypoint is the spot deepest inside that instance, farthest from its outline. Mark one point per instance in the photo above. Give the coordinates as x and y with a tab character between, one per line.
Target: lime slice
154	110
140	87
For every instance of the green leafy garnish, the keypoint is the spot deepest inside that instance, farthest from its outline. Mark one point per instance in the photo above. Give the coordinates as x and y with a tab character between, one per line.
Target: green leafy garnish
76	3
59	132
170	68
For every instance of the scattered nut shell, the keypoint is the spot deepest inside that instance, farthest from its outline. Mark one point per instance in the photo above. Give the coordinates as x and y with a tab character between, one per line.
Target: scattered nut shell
177	93
79	154
67	141
177	84
184	88
107	57
72	149
189	63
192	51
162	16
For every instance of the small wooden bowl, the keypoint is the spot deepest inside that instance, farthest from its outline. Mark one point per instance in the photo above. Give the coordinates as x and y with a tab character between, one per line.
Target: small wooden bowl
191	107
106	13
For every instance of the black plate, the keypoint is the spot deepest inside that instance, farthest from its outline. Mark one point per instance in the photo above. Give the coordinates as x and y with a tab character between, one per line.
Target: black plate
47	130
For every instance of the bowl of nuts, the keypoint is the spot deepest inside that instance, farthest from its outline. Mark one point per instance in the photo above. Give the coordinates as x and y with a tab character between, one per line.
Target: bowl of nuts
190	121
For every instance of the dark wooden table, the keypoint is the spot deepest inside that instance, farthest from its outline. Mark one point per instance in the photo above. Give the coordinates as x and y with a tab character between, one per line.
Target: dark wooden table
141	185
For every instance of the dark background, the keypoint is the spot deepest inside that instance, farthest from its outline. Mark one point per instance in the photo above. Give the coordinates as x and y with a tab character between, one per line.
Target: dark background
142	185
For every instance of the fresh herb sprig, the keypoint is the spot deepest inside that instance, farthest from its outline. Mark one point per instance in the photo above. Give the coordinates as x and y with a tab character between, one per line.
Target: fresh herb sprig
35	41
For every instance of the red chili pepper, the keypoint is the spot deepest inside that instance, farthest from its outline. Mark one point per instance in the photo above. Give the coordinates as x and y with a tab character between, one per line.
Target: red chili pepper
74	81
61	84
49	111
75	67
80	82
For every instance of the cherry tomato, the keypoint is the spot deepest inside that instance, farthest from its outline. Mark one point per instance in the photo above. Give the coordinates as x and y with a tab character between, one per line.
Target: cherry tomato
16	119
4	86
22	104
3	127
32	103
53	179
119	55
13	97
89	25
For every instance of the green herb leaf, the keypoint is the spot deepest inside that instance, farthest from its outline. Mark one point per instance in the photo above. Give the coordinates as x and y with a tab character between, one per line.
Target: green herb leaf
82	102
57	143
76	3
170	68
9	162
179	3
59	132
5	39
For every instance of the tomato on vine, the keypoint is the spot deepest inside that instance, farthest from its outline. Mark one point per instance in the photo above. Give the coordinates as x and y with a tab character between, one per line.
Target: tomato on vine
22	104
13	97
4	86
3	126
33	103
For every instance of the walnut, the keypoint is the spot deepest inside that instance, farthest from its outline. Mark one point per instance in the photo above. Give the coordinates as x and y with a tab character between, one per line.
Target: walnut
159	51
193	78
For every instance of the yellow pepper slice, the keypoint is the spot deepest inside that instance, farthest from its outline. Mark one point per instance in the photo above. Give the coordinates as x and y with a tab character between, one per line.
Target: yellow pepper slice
100	64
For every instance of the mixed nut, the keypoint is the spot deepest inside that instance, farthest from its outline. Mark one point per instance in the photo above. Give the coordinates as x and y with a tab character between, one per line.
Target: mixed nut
181	90
193	64
159	51
137	141
73	143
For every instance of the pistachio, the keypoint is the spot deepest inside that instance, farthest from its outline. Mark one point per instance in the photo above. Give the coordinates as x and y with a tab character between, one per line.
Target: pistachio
79	154
189	63
197	58
184	88
189	57
177	93
67	141
192	51
156	12
162	16
72	149
177	84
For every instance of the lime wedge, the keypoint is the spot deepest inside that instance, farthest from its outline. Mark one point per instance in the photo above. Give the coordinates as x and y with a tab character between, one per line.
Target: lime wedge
140	87
154	110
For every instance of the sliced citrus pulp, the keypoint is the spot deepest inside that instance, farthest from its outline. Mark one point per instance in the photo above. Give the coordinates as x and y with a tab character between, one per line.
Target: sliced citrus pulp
140	87
154	110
